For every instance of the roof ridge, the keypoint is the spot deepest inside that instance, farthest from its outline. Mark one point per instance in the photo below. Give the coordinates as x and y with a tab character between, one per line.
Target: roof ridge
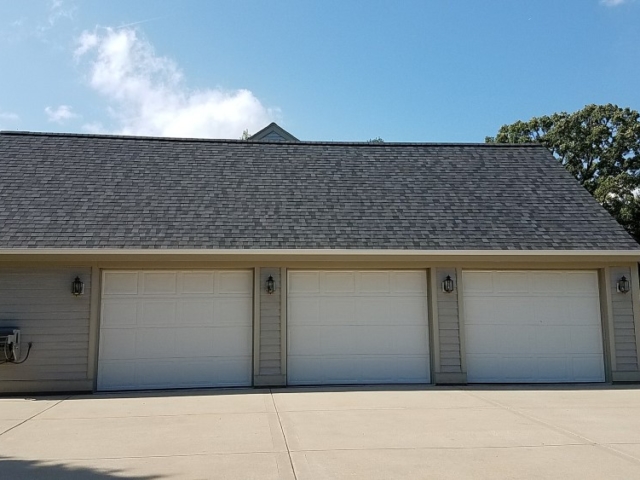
258	142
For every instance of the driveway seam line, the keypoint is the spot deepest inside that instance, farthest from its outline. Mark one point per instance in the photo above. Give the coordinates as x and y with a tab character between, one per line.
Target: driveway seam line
563	430
34	416
284	436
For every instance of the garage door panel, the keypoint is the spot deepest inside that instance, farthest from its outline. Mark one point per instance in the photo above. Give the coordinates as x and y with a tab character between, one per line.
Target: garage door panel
159	283
305	339
373	311
511	283
228	341
547	283
483	310
478	283
375	282
339	282
120	283
118	374
586	311
581	283
584	340
232	311
303	282
198	283
195	312
337	311
306	310
118	343
119	313
239	283
158	312
407	310
587	368
483	339
195	342
410	338
409	282
357	328
550	333
182	329
552	340
155	343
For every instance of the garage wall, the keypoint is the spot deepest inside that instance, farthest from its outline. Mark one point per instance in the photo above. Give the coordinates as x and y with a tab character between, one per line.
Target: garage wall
270	351
626	354
40	303
448	324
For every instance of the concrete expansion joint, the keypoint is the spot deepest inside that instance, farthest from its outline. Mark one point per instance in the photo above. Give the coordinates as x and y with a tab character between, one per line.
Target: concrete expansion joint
284	436
584	440
35	415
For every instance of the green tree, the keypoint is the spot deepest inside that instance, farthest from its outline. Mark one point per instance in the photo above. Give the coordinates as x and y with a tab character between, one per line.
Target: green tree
600	146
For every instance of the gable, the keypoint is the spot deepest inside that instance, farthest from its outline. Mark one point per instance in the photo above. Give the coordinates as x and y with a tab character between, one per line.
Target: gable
272	133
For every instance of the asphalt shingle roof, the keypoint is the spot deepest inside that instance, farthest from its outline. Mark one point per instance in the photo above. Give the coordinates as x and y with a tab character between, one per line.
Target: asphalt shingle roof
90	191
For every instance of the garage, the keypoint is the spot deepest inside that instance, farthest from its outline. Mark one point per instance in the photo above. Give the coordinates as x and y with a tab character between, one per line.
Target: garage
357	327
175	329
532	327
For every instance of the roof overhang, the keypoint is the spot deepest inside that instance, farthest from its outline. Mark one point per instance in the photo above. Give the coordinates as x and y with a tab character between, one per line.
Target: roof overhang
285	256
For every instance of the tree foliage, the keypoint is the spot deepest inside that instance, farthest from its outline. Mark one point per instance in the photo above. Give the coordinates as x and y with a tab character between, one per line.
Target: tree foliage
600	146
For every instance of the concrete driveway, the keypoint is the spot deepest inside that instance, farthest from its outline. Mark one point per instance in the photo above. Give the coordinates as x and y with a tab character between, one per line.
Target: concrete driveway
355	433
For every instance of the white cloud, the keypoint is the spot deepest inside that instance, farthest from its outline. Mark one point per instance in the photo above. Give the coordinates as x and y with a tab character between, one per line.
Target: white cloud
58	10
9	117
60	114
612	3
148	95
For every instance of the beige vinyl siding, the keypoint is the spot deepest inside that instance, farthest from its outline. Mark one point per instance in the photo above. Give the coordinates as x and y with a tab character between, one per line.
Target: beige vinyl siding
40	303
270	325
623	325
448	324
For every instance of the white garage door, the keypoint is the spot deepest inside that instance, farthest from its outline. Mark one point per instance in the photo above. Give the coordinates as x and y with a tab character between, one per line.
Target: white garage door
532	327
347	327
169	329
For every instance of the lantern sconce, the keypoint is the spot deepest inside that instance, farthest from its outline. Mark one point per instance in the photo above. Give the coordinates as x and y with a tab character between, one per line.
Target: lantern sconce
447	284
622	286
77	287
271	285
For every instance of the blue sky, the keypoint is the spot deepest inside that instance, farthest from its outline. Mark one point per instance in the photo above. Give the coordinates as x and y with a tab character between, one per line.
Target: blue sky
429	70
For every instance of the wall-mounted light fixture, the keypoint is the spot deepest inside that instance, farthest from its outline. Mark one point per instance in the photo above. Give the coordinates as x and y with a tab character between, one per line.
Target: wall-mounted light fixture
77	287
271	285
622	286
447	284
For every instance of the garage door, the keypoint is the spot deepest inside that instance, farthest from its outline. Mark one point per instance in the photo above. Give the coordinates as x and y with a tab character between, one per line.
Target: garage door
174	329
532	327
351	327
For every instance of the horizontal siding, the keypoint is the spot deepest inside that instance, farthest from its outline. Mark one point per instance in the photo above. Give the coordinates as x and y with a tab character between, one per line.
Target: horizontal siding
624	332
448	325
40	303
270	334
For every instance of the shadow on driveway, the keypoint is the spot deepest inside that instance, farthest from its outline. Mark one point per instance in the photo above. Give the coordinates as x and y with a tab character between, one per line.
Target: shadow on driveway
18	469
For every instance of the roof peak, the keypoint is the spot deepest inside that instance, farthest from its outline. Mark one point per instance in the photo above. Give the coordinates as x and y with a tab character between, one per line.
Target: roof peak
273	133
235	141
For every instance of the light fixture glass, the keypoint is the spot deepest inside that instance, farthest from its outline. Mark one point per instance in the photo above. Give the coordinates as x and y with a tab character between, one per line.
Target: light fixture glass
77	287
271	285
622	286
447	284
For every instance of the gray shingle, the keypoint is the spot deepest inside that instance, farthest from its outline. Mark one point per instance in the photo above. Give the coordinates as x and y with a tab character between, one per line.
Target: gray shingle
131	192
